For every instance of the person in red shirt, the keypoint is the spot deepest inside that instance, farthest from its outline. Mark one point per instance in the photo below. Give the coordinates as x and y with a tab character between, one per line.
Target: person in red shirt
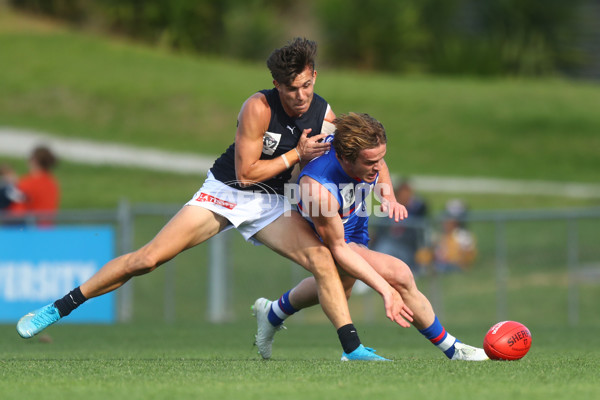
38	191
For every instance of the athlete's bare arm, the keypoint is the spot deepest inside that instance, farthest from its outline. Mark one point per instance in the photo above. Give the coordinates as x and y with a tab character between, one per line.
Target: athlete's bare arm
385	194
253	122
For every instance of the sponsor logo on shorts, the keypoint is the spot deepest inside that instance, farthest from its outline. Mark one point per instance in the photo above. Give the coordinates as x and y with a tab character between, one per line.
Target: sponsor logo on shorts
207	198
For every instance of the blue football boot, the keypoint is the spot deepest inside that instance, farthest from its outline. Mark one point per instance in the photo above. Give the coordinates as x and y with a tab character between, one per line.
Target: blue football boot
363	353
36	321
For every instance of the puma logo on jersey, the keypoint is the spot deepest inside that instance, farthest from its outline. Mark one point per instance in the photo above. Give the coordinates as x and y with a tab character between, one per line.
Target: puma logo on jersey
291	128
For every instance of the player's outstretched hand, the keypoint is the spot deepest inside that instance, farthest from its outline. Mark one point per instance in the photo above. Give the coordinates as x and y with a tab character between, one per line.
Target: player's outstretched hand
395	210
396	310
311	147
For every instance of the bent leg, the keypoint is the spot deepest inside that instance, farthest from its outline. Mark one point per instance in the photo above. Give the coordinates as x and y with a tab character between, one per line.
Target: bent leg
190	226
305	293
400	277
292	237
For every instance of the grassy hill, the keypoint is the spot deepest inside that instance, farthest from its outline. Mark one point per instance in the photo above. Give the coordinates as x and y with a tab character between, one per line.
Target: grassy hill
77	84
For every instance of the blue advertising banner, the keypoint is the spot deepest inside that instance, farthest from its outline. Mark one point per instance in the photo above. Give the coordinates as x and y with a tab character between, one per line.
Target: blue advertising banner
40	265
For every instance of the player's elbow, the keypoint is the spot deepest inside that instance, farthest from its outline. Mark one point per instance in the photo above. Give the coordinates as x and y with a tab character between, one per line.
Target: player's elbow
243	179
244	182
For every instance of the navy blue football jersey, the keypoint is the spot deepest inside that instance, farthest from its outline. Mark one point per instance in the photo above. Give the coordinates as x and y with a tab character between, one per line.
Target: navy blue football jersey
282	136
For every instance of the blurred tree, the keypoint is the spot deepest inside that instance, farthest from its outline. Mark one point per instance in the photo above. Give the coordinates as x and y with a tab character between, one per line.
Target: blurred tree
493	37
179	24
524	37
253	28
385	34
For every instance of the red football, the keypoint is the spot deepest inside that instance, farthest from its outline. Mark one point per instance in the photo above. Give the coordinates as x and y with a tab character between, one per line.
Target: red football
507	340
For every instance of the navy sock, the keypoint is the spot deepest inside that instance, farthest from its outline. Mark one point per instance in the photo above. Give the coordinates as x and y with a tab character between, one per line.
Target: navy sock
70	302
348	338
281	309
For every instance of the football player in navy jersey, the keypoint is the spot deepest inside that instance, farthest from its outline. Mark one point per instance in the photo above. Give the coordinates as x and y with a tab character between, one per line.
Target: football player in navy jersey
277	129
333	190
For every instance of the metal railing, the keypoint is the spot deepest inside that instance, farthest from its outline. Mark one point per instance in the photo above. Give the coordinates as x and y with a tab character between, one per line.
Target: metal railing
579	270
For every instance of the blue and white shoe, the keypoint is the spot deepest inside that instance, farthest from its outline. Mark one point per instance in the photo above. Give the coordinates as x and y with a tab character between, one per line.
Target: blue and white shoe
363	353
36	321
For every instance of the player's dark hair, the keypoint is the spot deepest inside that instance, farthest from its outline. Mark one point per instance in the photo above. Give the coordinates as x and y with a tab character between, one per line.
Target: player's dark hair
44	158
355	132
289	61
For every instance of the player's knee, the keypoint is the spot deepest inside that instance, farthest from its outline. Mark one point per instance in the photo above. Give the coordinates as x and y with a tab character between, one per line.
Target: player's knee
320	262
403	278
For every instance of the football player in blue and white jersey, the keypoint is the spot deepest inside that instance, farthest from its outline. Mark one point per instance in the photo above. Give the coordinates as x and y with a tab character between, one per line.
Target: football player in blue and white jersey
332	191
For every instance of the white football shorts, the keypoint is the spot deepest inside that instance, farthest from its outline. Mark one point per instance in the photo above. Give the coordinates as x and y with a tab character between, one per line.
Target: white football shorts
247	211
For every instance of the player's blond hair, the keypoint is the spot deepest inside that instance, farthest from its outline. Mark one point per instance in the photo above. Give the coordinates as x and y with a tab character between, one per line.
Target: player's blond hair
355	132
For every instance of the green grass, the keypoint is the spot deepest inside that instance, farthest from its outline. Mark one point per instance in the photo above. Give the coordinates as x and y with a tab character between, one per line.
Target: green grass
218	361
82	86
79	85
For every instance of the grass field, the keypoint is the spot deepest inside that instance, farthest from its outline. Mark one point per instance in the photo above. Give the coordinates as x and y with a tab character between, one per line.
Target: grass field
79	85
190	358
218	362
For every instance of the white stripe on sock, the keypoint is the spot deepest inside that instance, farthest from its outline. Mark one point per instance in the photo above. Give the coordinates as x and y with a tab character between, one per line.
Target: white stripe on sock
446	343
278	311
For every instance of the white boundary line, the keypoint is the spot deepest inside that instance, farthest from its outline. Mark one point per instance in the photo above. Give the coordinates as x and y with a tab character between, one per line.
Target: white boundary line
507	186
19	143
